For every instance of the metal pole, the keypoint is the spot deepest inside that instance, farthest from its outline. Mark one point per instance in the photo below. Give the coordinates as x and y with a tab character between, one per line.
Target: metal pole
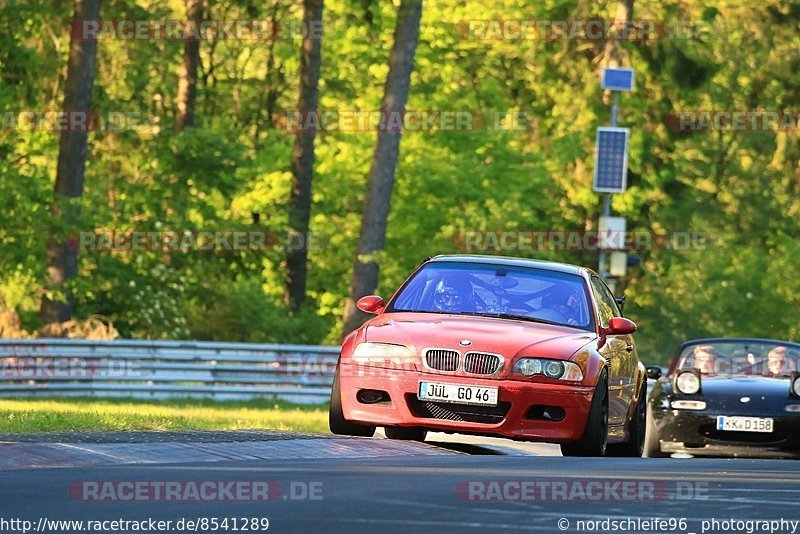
615	109
601	267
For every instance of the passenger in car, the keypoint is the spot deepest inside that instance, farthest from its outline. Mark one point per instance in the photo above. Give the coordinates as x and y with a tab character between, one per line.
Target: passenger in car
779	362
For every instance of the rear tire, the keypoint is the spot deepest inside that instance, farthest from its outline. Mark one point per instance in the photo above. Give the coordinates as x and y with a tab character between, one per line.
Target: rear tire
652	441
595	436
408	433
634	448
336	421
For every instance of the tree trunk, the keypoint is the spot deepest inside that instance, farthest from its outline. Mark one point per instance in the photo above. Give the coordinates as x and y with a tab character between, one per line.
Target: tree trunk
187	84
384	162
62	254
614	55
303	160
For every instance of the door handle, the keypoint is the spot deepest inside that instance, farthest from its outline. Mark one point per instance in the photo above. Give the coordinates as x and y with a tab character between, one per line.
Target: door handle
629	347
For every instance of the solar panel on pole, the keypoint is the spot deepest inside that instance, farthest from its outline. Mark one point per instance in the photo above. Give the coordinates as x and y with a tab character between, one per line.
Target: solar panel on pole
611	160
617	79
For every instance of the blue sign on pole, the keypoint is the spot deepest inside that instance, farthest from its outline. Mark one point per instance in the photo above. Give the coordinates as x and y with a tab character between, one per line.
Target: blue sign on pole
611	160
618	79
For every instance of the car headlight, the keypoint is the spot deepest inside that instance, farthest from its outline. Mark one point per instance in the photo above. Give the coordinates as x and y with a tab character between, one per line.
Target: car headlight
377	354
689	405
796	386
688	383
554	369
528	367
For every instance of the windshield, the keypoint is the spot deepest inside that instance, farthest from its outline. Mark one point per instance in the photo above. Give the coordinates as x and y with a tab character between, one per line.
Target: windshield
491	290
729	358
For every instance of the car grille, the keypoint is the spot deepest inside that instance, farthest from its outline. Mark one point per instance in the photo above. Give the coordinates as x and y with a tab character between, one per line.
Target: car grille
442	360
458	412
478	363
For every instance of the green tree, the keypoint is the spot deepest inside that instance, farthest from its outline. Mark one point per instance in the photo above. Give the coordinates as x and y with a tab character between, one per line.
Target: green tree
382	172
62	253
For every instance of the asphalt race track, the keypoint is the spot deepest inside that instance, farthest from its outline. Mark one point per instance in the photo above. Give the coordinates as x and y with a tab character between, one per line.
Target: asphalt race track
376	485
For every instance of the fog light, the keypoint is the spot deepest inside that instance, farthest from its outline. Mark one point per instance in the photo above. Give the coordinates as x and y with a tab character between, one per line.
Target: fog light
794	408
372	396
545	413
688	382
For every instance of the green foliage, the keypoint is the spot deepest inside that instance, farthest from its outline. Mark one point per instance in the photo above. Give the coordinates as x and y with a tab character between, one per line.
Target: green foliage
232	171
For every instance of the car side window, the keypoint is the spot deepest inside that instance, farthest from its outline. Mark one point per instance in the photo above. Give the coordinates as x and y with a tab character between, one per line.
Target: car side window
606	305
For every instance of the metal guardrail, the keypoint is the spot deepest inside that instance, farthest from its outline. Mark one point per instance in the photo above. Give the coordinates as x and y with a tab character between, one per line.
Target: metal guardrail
165	369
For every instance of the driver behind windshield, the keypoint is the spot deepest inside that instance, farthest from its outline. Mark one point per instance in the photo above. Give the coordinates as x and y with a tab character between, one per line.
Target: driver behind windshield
705	359
564	300
454	296
779	362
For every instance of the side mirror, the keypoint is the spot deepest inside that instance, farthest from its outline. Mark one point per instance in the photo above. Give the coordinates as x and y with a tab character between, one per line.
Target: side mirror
620	326
654	372
370	304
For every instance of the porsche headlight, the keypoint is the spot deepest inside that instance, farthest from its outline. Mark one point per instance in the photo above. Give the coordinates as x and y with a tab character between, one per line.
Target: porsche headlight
796	386
554	369
688	383
378	354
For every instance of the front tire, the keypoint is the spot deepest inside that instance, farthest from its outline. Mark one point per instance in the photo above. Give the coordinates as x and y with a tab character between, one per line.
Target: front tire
336	421
595	436
652	441
634	448
408	433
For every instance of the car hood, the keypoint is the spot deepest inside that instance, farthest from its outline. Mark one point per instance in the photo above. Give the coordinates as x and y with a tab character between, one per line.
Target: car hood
763	394
486	334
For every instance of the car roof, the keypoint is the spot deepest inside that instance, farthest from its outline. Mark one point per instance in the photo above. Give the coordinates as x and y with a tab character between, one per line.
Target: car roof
555	266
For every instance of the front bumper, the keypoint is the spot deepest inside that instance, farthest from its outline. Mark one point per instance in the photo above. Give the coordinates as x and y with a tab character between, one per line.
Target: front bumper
694	432
511	418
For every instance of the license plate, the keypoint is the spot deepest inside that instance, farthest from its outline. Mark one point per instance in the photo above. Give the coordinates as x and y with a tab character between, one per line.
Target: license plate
744	424
458	394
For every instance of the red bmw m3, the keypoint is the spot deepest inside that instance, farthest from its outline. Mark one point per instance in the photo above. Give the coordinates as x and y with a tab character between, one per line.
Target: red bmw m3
509	347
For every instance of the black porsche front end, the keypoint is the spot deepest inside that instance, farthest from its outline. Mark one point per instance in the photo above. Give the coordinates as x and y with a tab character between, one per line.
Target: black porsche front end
691	424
